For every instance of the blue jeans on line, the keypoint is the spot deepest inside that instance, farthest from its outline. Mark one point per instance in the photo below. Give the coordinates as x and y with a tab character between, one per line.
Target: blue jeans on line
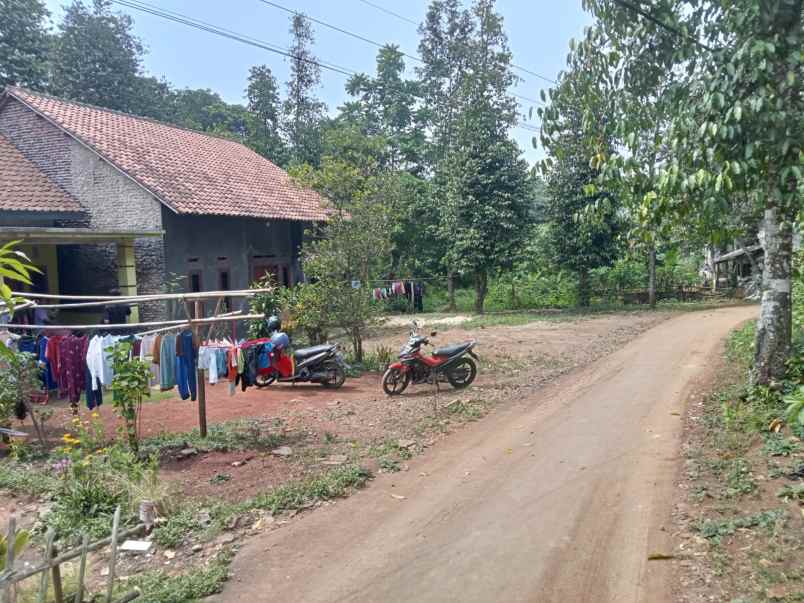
186	366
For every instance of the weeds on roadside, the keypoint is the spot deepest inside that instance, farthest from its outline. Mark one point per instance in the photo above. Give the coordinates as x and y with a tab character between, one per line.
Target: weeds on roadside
715	529
293	496
222	437
160	587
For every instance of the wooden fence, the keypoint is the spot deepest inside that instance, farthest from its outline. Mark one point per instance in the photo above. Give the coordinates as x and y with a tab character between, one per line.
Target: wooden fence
50	566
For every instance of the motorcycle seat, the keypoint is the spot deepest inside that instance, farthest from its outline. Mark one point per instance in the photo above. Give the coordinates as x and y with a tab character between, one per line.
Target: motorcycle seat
305	353
452	350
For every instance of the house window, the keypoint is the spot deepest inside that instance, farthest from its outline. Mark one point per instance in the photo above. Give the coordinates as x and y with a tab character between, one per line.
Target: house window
195	285
195	281
223	285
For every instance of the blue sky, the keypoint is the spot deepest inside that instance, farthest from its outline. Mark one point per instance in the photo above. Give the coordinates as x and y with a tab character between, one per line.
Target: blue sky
538	31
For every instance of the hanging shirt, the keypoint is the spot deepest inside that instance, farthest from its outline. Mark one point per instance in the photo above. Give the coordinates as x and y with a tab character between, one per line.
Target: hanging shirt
207	360
167	364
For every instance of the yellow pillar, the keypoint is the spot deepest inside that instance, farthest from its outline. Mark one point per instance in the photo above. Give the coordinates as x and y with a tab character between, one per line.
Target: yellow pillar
127	274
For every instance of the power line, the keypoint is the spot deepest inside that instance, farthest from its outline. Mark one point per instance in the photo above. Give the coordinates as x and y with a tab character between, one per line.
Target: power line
389	12
336	28
660	23
364	39
407	20
225	33
242	38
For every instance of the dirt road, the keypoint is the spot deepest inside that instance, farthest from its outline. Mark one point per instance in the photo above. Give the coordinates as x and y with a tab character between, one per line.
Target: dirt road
560	497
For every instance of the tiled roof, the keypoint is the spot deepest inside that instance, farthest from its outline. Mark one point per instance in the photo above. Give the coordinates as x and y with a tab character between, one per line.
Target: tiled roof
190	172
23	187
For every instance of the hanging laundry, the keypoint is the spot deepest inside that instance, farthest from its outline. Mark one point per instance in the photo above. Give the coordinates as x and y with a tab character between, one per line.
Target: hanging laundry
186	365
48	379
167	362
72	364
208	362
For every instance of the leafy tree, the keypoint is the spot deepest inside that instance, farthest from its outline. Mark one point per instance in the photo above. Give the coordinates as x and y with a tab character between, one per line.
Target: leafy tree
302	112
387	106
263	102
353	245
583	225
484	216
96	58
736	126
23	43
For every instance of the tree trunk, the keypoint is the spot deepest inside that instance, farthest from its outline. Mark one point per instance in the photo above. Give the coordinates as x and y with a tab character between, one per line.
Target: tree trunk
514	296
357	344
774	329
451	292
583	288
652	276
481	288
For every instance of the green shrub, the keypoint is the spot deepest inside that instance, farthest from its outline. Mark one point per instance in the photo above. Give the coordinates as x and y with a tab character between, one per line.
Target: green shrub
160	587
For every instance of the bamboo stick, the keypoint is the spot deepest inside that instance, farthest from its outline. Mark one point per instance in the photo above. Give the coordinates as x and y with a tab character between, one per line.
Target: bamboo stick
58	592
133	325
11	538
106	299
163	329
82	568
18	577
43	584
113	560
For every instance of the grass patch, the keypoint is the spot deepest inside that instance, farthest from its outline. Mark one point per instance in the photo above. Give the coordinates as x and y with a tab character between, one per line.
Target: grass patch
160	587
715	529
293	496
27	479
242	434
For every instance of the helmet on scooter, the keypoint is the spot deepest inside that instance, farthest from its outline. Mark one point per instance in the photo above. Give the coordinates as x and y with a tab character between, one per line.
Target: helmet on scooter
273	324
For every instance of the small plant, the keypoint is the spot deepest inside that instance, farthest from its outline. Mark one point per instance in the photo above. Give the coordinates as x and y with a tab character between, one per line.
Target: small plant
795	407
715	529
220	478
20	542
739	480
794	492
778	445
390	465
129	385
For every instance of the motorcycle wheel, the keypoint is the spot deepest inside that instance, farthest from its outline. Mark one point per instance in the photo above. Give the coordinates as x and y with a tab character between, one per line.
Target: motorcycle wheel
394	381
339	377
462	373
265	380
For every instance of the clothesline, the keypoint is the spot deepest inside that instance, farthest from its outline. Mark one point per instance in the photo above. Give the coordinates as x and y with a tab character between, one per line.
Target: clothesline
159	323
228	315
135	299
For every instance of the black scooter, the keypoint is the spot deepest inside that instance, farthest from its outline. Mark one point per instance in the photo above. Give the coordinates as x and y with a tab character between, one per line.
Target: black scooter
322	364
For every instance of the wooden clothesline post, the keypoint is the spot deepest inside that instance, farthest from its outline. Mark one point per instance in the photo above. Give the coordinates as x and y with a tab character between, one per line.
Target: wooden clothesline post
202	388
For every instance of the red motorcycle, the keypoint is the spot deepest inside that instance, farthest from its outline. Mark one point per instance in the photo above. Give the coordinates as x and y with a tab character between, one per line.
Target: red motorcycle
451	364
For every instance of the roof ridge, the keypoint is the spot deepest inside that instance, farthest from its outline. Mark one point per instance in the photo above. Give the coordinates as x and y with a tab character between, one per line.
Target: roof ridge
46	95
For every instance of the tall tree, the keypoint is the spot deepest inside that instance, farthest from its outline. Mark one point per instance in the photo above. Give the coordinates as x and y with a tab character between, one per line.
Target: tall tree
23	43
485	215
96	58
302	111
263	102
736	126
583	225
387	105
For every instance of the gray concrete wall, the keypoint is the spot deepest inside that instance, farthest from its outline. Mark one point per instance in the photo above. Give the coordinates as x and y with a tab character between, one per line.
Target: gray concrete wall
210	244
112	202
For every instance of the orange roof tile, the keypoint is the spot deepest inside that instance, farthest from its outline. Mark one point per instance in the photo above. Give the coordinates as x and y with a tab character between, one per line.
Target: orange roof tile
23	187
190	172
